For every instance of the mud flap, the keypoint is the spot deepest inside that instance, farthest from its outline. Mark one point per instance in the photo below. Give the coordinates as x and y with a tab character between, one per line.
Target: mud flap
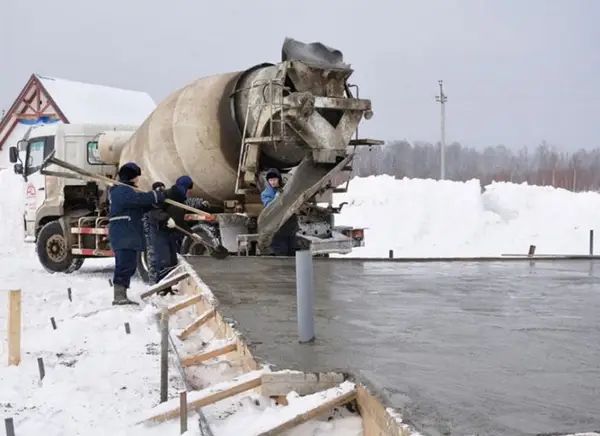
306	181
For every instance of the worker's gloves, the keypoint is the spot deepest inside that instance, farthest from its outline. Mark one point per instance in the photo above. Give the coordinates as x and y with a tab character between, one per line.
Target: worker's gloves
171	223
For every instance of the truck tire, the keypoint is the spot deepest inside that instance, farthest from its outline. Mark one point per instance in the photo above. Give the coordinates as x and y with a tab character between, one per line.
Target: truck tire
53	250
145	259
77	263
191	247
142	267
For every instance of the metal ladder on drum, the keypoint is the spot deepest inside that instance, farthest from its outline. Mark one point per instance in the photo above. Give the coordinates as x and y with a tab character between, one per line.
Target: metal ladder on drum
251	144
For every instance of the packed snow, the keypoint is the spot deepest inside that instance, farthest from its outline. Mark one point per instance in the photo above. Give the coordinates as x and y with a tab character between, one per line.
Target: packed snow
429	218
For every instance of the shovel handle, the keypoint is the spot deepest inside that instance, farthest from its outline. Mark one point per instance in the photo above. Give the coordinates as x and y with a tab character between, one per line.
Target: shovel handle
111	182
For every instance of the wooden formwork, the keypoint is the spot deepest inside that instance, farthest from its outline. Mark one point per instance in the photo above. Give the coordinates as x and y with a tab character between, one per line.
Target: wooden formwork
338	389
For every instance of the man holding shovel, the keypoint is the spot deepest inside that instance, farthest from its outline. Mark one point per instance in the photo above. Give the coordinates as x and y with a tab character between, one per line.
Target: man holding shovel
125	230
171	228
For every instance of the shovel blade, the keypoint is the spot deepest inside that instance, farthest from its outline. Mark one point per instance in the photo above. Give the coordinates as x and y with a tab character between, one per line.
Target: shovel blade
220	252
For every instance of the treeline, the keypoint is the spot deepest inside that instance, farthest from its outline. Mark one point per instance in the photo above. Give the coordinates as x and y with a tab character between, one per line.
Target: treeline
543	165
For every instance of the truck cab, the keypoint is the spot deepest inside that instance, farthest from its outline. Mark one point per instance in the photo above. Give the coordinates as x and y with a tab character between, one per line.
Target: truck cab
48	197
50	200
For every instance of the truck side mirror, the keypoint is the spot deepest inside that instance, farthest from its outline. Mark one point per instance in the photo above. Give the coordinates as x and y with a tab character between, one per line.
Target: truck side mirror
13	154
18	168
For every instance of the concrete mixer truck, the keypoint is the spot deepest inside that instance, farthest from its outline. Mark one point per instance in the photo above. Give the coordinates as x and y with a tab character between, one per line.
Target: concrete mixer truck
224	131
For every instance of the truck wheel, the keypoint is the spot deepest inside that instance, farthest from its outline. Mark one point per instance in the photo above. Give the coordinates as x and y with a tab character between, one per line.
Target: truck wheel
53	250
145	264
142	267
77	263
194	248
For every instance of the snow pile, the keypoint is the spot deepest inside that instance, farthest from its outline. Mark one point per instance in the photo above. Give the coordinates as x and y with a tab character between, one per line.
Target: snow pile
429	218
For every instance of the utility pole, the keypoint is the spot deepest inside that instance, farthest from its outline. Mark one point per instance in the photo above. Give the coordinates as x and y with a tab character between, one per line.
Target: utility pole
442	99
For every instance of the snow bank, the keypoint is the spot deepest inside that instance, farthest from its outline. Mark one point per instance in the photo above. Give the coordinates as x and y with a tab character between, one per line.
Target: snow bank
428	218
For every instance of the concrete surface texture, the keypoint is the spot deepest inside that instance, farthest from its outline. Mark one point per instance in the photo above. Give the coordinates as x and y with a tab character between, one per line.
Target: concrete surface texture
507	348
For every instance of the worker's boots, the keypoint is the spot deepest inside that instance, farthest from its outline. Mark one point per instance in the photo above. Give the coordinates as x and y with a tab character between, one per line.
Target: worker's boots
120	296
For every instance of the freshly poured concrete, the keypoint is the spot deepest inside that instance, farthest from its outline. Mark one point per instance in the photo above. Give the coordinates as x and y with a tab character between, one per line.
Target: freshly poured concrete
458	348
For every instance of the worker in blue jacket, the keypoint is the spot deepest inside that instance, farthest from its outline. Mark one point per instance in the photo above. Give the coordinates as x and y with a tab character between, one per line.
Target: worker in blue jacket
125	230
167	239
284	241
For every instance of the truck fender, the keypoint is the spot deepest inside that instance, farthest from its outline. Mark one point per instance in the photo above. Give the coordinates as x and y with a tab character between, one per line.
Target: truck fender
64	224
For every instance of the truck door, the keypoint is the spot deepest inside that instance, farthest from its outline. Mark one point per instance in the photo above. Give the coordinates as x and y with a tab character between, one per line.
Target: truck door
35	186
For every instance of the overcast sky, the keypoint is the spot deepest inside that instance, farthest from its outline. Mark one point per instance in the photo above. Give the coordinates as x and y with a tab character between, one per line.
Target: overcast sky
515	71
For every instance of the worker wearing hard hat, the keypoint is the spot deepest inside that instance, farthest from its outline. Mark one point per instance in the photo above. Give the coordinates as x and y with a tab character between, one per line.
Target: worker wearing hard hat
284	241
125	230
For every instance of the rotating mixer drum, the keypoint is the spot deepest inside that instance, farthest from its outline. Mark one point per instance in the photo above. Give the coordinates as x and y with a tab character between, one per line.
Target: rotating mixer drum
224	130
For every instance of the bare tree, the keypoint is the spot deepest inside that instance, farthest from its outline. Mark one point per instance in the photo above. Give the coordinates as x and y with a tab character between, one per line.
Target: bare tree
545	165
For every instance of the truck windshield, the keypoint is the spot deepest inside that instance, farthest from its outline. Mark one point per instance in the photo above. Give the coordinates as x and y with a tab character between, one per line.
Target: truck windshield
37	150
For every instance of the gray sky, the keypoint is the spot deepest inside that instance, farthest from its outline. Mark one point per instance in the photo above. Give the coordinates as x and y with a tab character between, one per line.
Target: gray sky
515	71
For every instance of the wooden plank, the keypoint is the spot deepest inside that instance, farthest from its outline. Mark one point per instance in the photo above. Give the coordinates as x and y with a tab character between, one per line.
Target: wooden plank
165	284
197	323
377	419
196	359
177	270
331	398
205	397
14	327
185	303
284	382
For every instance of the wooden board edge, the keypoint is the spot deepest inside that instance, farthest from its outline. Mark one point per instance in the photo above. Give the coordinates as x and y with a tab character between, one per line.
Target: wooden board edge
203	356
196	324
377	420
173	409
217	324
319	409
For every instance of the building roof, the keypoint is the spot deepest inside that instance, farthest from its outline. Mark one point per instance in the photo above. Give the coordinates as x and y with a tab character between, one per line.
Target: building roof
98	104
48	99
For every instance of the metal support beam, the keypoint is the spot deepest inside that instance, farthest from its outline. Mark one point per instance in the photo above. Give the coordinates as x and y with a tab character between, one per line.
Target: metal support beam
305	296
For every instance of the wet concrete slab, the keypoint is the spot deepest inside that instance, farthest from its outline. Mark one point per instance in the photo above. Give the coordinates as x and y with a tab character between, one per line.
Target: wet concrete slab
506	348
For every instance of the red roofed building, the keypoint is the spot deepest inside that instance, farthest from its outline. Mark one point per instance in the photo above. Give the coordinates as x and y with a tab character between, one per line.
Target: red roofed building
46	100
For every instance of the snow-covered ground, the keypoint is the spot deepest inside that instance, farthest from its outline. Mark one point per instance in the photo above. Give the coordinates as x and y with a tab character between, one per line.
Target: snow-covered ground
98	378
428	218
